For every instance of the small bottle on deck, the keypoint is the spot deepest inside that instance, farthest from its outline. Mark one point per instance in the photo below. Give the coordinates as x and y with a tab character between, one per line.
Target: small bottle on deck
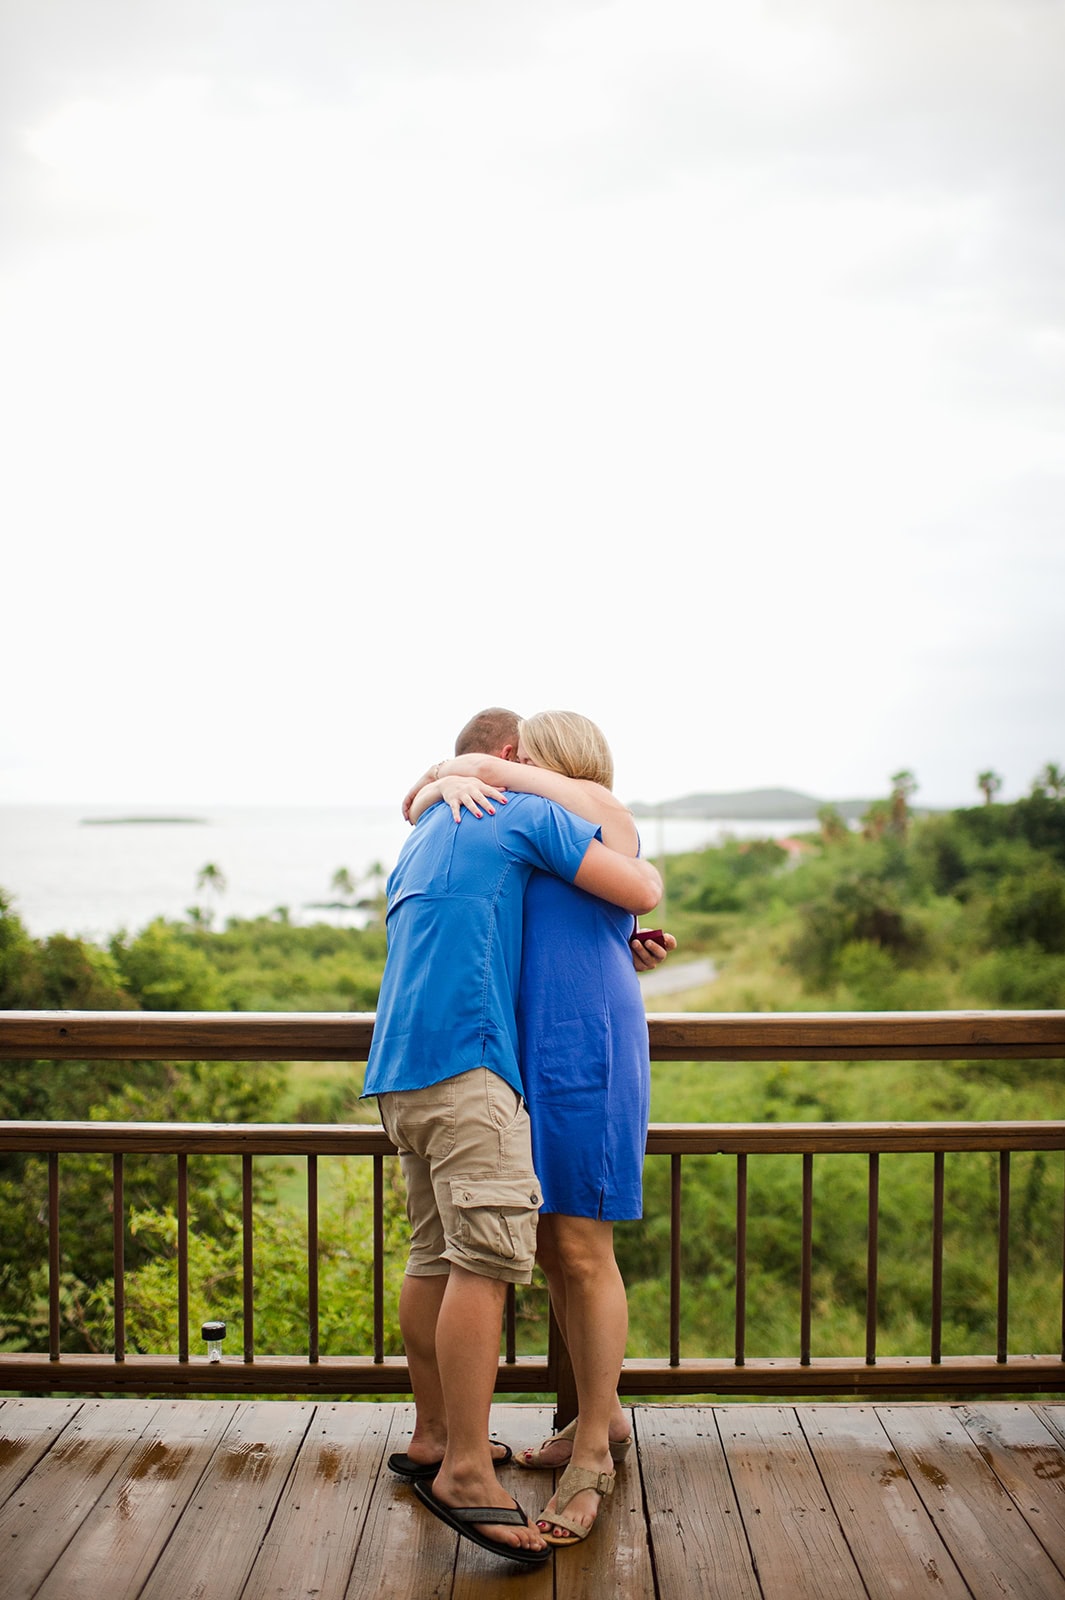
214	1333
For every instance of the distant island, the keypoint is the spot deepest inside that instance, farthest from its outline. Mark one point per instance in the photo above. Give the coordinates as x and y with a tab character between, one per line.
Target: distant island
140	822
756	805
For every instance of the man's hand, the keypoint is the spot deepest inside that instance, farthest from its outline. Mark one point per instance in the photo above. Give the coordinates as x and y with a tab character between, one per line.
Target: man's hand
645	957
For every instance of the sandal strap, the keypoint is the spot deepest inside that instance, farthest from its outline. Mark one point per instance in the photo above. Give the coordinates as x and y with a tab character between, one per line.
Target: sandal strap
576	1479
558	1519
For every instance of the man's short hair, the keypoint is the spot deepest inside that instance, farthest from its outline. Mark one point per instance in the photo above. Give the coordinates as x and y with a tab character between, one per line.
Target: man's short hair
488	732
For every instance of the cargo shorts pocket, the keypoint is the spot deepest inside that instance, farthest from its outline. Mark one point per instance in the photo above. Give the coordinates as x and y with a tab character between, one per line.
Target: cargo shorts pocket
497	1217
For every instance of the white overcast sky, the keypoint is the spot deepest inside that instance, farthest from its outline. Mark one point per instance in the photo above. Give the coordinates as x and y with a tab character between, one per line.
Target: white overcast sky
697	364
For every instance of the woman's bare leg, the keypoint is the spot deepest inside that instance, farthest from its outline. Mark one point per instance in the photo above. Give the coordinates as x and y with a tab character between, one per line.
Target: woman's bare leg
547	1257
577	1254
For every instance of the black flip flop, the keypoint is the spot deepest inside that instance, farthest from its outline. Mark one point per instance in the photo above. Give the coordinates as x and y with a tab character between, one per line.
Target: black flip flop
402	1465
421	1471
461	1520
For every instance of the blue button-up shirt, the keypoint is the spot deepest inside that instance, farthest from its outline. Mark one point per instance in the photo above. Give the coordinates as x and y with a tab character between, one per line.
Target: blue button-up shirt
450	985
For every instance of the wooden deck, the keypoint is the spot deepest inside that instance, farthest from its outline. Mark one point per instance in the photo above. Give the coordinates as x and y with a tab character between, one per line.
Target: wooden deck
183	1499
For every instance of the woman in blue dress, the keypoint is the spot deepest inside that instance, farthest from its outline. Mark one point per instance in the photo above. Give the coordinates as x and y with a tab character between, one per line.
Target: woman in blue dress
586	1073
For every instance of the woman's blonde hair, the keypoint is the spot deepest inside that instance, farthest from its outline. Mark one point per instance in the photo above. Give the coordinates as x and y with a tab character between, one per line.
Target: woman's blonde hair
566	742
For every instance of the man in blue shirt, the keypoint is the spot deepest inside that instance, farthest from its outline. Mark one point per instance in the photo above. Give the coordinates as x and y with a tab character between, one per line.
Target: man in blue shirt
444	1065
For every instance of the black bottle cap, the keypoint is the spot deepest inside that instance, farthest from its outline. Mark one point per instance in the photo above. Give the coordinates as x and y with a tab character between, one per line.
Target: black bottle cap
213	1330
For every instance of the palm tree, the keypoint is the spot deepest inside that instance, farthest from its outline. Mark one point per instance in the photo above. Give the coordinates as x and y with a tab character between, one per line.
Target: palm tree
1050	781
833	826
213	879
374	898
903	788
343	884
988	783
875	821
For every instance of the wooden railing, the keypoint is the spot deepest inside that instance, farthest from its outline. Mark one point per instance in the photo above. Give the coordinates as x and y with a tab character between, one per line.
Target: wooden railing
965	1036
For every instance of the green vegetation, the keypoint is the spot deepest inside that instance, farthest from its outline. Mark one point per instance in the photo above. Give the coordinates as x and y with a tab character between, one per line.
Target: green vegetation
259	964
345	1264
955	910
964	909
263	965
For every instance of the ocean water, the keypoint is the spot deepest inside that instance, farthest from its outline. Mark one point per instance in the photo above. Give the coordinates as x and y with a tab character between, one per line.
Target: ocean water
68	873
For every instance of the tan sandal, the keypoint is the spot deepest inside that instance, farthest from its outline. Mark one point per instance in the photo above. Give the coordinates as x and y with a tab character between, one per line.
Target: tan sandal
572	1483
619	1449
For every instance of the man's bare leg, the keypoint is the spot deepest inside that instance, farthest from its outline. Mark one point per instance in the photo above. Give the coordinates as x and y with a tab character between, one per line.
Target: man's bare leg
420	1300
467	1352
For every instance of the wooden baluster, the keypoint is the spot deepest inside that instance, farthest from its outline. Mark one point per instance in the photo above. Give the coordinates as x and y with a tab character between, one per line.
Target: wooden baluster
1002	1320
247	1241
378	1258
936	1347
510	1325
872	1259
806	1274
118	1211
183	1255
674	1260
741	1258
53	1256
1064	1292
312	1260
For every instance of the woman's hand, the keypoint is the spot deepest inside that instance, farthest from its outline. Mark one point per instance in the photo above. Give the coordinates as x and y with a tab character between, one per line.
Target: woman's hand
457	791
647	954
469	794
471	765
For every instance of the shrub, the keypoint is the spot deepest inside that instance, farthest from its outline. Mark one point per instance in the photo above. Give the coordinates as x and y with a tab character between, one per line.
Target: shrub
1030	909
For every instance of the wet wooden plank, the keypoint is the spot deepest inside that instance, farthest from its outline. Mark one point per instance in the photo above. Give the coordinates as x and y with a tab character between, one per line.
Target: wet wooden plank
216	1541
129	1526
992	1545
890	1534
1054	1417
693	1518
403	1550
311	1546
795	1538
28	1429
276	1509
41	1517
1029	1462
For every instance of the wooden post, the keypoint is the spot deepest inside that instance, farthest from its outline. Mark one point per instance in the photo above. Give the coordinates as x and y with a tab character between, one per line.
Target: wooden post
560	1374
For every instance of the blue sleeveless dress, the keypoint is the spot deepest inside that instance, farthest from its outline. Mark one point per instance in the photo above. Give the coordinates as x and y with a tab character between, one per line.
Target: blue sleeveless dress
583	1046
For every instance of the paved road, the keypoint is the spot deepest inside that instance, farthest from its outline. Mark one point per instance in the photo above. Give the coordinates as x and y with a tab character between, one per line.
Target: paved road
674	976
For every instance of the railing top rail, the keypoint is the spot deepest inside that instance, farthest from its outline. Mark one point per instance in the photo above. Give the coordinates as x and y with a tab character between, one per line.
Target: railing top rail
663	1138
674	1036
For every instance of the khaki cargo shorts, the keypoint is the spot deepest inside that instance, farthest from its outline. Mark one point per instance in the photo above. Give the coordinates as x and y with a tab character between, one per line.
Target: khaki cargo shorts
472	1195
